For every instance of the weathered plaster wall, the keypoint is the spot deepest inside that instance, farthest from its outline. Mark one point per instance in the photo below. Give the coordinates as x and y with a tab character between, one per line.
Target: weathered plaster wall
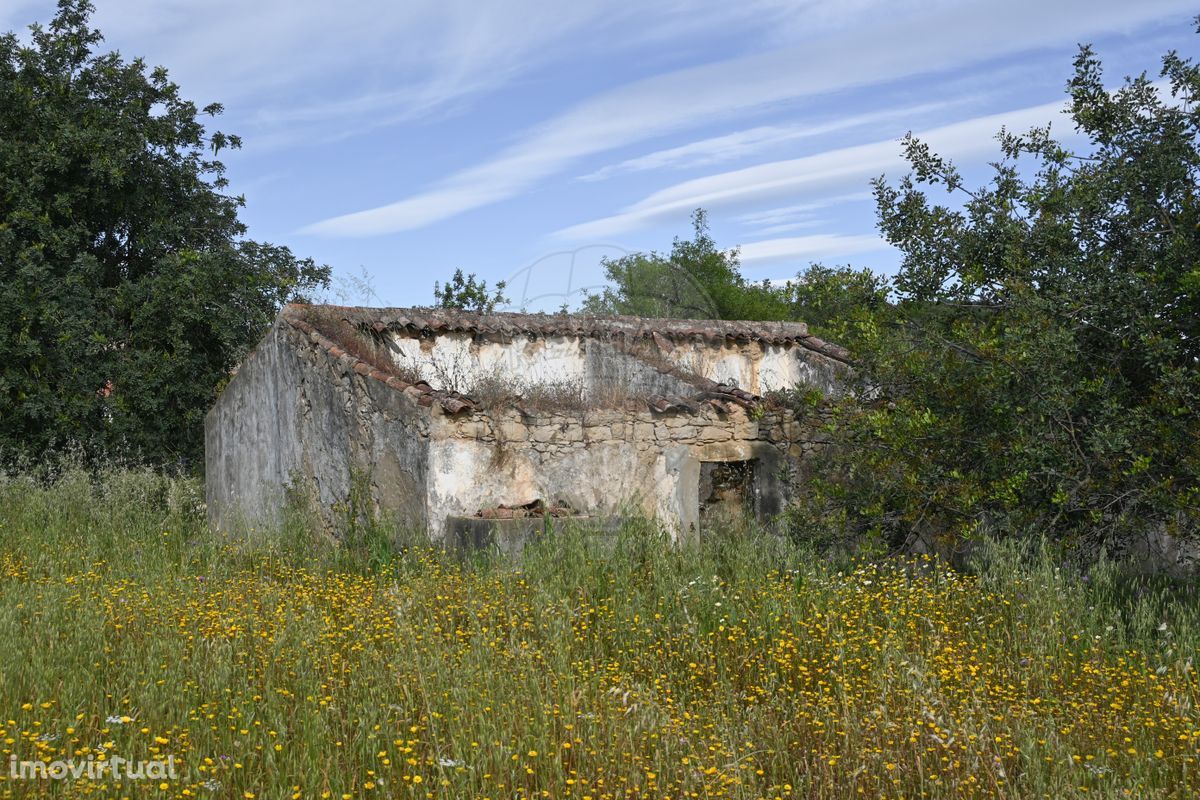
603	462
610	370
460	361
755	367
250	444
293	417
296	415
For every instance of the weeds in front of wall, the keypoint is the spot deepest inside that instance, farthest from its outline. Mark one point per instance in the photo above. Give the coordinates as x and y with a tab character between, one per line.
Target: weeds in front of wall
354	532
741	665
363	343
496	390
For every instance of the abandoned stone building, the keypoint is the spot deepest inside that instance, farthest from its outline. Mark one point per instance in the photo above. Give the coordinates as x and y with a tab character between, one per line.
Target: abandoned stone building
450	421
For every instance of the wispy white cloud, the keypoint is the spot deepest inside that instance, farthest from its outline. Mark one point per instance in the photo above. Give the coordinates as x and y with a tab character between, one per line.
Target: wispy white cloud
740	144
283	64
809	248
333	68
878	47
774	216
787	227
782	219
833	172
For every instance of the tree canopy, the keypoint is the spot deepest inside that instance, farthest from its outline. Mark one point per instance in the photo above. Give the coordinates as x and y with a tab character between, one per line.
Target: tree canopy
1034	364
699	280
696	280
128	290
469	294
1040	367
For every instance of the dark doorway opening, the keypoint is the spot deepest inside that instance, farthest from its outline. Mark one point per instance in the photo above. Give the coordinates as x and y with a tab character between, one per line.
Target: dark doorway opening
726	492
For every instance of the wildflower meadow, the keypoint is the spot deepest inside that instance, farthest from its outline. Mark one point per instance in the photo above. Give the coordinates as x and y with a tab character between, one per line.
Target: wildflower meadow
747	666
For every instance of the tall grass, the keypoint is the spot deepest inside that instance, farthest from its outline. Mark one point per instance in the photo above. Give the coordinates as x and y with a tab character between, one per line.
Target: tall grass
280	666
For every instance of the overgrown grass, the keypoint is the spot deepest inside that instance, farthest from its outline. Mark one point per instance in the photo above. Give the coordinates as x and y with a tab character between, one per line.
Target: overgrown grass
745	666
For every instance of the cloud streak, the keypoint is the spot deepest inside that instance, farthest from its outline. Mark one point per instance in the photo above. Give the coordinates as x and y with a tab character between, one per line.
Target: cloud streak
794	217
835	171
292	70
809	248
876	48
740	144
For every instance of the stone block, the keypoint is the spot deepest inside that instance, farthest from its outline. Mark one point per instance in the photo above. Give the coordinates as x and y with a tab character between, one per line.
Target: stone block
512	432
544	433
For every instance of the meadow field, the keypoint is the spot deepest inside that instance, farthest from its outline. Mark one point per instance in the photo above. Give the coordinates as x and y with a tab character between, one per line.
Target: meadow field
746	666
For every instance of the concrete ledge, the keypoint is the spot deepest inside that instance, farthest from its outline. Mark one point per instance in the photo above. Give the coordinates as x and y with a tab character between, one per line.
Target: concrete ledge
509	536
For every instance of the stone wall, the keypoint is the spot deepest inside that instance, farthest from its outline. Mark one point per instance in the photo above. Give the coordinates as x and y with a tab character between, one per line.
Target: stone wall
249	443
304	418
604	462
294	419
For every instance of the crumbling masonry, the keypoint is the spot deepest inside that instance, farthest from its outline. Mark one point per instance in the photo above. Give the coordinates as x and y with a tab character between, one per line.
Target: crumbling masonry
451	421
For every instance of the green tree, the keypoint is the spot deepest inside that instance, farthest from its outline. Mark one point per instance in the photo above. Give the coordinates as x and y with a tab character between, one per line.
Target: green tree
695	280
127	290
469	294
1041	369
833	301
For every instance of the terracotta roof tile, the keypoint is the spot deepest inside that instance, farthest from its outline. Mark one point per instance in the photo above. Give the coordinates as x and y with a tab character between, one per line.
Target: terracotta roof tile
509	324
422	392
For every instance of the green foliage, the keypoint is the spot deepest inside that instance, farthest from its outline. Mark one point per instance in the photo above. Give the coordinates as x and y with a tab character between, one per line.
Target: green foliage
696	280
1040	368
699	280
469	294
833	301
127	290
734	666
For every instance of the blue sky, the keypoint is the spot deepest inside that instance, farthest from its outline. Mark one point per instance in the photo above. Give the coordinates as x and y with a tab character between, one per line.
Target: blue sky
525	140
